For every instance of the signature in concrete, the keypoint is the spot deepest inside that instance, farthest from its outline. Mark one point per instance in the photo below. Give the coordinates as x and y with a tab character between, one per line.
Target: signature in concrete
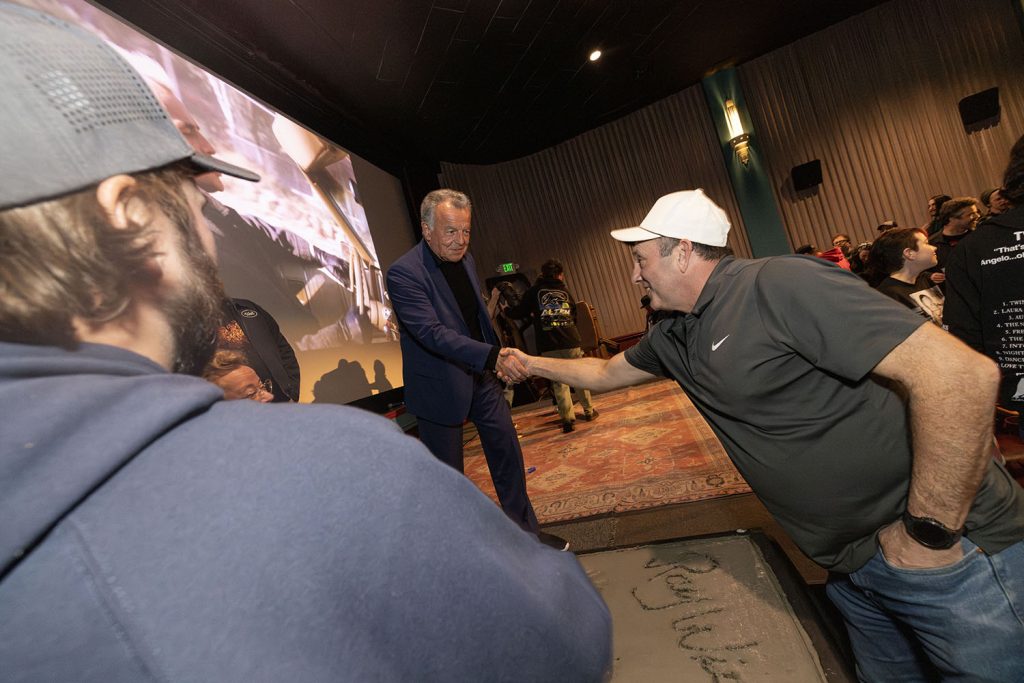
677	584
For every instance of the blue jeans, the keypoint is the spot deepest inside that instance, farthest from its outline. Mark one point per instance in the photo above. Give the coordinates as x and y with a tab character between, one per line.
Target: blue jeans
963	622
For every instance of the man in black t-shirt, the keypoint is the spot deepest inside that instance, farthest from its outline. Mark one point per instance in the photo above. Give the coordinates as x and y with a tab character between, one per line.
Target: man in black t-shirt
957	219
986	286
794	363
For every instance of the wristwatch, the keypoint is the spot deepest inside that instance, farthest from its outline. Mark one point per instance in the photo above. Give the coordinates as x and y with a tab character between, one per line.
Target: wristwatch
931	533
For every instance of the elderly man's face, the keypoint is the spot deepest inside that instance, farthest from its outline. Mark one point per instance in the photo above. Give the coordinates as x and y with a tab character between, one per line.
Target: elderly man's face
449	236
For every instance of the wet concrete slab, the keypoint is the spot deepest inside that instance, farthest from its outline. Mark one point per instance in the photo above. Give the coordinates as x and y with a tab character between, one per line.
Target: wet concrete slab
706	609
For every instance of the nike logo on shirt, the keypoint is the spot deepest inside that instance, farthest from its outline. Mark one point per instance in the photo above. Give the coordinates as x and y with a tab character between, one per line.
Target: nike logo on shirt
714	347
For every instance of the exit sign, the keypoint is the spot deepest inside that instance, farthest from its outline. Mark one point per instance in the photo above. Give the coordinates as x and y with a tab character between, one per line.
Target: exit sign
507	267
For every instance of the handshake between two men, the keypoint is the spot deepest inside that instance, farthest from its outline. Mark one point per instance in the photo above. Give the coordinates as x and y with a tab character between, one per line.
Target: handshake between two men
597	374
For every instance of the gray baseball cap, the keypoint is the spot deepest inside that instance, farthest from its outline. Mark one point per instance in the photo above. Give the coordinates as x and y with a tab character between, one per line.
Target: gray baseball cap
73	112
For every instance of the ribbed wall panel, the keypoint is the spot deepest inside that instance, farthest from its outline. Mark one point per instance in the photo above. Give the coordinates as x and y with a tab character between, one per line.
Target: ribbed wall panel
875	98
562	202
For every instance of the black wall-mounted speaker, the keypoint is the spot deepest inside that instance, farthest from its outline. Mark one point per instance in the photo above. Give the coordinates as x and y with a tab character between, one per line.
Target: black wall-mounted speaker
806	176
980	109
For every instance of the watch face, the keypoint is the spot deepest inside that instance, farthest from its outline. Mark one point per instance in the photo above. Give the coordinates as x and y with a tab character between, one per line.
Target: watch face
930	533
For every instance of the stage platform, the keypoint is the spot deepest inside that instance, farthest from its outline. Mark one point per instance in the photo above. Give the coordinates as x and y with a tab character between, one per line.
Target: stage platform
648	469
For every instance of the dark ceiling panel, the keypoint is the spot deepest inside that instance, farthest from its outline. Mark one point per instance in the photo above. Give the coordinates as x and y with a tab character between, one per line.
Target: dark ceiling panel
476	81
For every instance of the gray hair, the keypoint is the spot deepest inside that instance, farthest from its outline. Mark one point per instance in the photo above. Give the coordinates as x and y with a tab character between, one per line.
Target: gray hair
705	251
457	199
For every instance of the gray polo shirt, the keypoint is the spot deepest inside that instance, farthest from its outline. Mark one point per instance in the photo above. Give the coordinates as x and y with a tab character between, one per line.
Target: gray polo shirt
777	355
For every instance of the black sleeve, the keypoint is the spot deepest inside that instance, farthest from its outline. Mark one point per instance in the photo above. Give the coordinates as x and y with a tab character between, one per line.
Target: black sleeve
963	302
285	352
492	358
288	361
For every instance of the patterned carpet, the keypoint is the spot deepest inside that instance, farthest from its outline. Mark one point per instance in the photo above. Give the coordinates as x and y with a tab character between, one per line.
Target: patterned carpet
649	447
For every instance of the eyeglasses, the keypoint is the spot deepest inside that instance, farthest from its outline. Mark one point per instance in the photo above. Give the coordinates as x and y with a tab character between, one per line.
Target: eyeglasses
265	385
836	243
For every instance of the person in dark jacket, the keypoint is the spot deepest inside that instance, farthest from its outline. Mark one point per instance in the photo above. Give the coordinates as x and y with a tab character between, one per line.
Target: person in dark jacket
552	309
253	331
985	287
152	531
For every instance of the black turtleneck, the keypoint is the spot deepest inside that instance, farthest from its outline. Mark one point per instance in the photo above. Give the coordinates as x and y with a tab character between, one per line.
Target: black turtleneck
465	296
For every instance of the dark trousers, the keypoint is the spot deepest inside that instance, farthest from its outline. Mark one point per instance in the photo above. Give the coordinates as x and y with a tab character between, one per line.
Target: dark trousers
493	419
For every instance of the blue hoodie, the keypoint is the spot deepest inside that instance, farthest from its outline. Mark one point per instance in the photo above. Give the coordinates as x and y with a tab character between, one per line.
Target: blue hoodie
151	531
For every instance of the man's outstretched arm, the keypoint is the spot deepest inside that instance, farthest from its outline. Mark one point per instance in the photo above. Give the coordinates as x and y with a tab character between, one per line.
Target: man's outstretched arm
597	374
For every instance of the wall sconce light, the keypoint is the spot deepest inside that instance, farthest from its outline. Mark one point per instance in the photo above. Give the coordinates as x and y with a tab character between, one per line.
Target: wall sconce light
739	140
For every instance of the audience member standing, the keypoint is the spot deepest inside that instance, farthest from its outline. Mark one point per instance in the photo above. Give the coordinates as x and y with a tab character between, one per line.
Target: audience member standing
935	202
859	258
842	241
253	331
900	259
985	287
552	309
956	220
995	203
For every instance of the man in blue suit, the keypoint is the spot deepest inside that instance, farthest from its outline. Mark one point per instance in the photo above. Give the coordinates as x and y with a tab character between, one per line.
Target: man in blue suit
449	352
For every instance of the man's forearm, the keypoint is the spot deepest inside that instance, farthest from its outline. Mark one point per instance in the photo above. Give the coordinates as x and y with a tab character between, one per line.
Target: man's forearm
952	423
952	394
592	373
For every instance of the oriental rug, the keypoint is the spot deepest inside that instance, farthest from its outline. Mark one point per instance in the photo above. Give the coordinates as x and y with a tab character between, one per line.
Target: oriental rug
649	447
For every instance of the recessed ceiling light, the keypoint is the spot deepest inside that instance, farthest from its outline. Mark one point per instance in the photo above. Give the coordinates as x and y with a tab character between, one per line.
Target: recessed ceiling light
595	55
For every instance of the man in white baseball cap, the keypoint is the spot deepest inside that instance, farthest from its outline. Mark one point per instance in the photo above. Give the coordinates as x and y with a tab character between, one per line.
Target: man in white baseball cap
793	363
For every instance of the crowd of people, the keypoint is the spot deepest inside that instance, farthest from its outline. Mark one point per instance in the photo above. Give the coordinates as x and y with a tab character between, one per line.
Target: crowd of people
909	264
152	530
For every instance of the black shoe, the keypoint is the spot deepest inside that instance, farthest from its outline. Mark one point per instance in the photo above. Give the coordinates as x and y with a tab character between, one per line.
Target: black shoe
552	541
592	415
568	426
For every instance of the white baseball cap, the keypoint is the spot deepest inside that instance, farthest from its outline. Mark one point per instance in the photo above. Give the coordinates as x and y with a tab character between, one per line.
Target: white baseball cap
685	215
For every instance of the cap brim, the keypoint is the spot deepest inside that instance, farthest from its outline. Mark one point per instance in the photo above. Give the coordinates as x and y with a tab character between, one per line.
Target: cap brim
205	163
637	234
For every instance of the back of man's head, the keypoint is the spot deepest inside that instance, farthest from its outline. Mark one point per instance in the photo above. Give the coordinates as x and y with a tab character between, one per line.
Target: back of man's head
551	269
75	114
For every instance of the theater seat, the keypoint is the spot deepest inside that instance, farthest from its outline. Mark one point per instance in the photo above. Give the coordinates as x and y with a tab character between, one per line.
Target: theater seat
592	342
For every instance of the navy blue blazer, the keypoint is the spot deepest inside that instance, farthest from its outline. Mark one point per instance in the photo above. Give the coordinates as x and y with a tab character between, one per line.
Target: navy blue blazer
439	358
